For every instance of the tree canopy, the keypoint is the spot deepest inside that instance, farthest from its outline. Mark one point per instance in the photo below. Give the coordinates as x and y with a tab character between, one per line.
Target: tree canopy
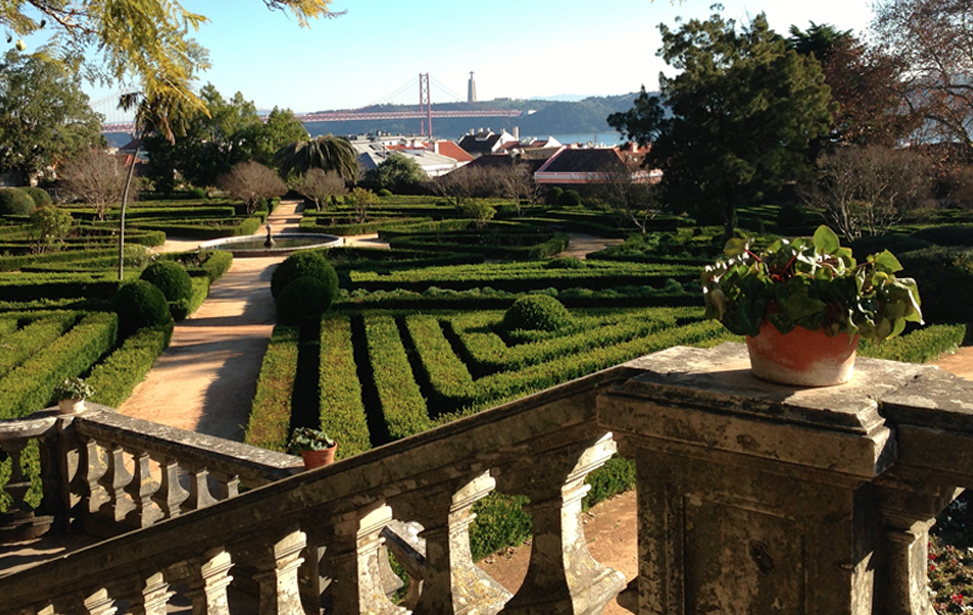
44	115
148	40
325	152
745	112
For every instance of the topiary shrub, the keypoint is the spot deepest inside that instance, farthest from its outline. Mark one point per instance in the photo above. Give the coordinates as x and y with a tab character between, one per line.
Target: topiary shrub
304	300
553	196
384	192
536	312
945	280
39	196
791	216
570	198
140	305
952	235
300	264
15	202
173	280
565	262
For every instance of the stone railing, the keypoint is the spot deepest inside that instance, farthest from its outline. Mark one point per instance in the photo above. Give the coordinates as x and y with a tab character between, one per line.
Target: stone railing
752	498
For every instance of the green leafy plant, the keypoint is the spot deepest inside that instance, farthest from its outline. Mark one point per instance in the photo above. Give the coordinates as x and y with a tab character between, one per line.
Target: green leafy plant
309	439
73	388
810	282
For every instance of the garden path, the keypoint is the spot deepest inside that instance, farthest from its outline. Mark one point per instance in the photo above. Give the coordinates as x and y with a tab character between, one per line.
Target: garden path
206	378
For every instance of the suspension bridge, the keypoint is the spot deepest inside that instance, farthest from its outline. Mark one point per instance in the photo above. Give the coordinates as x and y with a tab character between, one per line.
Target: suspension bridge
117	120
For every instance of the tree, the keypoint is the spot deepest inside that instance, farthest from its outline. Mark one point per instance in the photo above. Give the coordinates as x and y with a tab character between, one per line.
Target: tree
95	178
44	115
318	185
865	81
326	152
464	184
397	173
626	190
863	190
250	181
933	40
281	128
48	228
516	182
362	200
745	111
145	39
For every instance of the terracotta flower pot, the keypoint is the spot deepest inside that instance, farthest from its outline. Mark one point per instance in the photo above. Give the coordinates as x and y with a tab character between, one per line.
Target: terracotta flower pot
70	406
316	459
802	357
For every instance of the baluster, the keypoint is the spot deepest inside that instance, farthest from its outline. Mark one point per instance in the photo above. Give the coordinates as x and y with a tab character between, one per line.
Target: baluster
93	468
207	587
141	489
277	576
116	479
170	495
153	598
20	522
229	485
357	586
452	583
562	577
100	603
199	493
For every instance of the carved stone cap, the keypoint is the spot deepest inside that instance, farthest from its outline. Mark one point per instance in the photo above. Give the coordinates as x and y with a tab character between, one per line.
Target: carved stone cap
707	399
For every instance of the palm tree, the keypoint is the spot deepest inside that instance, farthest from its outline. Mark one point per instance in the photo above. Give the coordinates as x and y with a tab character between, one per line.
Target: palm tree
326	152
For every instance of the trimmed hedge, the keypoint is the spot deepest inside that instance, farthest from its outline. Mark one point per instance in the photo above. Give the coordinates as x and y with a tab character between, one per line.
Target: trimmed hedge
342	411
536	312
17	347
116	377
303	301
920	346
270	412
235	228
447	374
403	406
174	282
139	305
34	286
199	293
210	263
301	264
15	202
30	386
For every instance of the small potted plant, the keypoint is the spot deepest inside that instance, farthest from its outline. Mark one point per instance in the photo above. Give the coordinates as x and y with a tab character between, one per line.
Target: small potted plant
804	303
315	446
71	393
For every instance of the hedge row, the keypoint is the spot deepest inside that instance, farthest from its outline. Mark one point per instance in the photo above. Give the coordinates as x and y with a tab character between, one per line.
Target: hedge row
546	246
447	375
920	346
155	213
270	413
114	378
7	325
199	294
14	263
30	386
135	257
35	286
320	224
247	226
403	406
342	411
18	346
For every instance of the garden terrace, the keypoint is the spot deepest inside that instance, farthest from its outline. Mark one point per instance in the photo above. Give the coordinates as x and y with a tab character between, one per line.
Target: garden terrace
722	459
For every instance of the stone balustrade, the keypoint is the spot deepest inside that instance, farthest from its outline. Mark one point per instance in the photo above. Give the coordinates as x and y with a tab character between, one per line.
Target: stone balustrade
752	498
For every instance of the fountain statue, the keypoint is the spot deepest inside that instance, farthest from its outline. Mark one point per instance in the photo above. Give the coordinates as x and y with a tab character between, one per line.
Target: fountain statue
270	240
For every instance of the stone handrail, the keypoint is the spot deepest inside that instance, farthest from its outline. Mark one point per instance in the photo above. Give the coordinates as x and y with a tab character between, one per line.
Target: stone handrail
542	447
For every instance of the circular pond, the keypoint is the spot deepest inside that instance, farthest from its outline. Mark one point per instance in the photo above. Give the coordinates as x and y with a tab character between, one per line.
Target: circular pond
284	243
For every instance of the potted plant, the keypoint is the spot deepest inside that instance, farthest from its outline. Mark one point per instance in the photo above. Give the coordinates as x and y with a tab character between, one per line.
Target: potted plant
71	393
806	295
315	446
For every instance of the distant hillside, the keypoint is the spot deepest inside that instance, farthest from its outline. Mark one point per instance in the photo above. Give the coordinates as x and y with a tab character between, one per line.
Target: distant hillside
549	117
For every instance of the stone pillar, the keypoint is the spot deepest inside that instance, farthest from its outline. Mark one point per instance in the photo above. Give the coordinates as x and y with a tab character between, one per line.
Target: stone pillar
753	497
153	598
354	556
207	588
452	584
100	603
562	577
277	576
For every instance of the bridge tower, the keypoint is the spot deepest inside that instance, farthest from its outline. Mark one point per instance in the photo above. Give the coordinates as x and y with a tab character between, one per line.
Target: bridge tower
471	89
425	105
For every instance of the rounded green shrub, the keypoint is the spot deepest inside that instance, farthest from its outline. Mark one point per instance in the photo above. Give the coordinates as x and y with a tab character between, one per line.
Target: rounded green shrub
570	198
565	262
945	280
39	196
384	192
951	235
15	202
536	312
140	305
300	264
553	196
171	278
303	301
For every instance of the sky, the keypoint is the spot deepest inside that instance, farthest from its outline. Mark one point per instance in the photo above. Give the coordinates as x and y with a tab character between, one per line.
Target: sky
516	48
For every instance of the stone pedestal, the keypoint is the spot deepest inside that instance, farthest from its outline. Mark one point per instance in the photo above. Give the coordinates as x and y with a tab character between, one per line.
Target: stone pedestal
754	497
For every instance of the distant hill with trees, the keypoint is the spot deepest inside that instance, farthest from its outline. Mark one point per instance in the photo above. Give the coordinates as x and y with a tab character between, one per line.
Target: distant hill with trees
547	117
